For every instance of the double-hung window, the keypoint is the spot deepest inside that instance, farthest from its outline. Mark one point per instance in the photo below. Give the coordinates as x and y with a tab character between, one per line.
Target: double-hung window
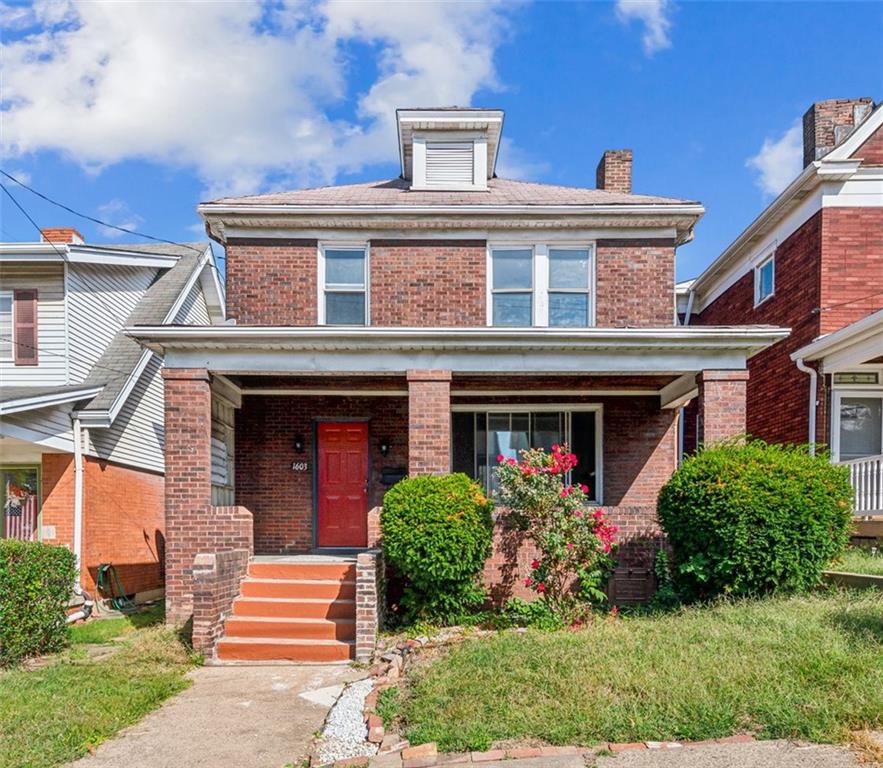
541	285
343	288
764	280
512	284
570	297
7	341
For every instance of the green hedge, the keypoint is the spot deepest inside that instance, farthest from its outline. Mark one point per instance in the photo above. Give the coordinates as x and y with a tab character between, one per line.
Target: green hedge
36	581
437	534
751	518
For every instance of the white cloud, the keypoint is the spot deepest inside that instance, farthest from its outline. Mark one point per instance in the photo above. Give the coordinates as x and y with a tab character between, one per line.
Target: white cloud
241	92
118	213
654	15
514	163
778	162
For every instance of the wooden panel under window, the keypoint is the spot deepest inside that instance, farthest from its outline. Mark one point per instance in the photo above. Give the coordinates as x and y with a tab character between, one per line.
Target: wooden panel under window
24	311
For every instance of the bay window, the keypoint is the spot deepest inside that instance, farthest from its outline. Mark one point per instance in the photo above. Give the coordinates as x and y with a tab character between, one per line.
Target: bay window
480	435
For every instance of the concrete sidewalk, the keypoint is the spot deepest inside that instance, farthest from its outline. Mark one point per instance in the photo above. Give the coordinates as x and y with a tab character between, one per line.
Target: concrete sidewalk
243	716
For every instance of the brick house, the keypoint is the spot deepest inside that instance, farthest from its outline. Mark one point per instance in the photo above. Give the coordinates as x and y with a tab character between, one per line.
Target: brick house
813	261
81	404
421	324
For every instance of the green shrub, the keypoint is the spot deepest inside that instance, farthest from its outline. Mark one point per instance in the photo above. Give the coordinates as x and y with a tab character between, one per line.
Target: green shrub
537	614
35	585
751	518
437	535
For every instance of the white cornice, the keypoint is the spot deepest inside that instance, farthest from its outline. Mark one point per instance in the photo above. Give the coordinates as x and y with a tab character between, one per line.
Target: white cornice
31	402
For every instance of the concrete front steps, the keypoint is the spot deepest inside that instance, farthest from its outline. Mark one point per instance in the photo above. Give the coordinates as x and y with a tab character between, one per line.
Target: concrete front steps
300	609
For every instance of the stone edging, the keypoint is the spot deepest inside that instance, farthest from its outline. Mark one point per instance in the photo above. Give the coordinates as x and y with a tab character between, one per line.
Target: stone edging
396	752
428	756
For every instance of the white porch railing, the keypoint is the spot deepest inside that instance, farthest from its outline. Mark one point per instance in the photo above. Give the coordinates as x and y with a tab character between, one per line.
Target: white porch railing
866	476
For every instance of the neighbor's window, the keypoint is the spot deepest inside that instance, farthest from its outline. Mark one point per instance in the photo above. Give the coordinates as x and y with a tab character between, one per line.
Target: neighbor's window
860	426
345	286
512	286
6	337
569	298
20	497
480	437
764	280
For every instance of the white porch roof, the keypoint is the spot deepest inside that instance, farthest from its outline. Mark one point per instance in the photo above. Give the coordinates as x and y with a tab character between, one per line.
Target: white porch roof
239	350
848	347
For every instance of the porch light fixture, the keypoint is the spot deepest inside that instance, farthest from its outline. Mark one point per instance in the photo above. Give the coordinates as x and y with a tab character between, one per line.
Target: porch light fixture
299	444
384	446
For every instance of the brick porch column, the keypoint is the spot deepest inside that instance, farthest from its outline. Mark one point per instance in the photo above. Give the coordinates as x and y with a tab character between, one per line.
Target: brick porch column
429	422
722	403
188	490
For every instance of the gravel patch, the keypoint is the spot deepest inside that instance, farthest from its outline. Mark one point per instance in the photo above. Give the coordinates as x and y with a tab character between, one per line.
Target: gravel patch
345	733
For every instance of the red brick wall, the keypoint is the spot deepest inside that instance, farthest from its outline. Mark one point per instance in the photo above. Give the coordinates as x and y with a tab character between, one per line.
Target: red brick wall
281	499
777	391
429	422
435	283
124	524
634	283
871	152
123	518
216	580
428	282
852	265
721	400
57	509
193	525
272	282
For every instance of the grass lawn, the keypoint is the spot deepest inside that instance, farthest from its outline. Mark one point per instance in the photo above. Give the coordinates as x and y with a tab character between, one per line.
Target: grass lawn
857	560
55	713
807	667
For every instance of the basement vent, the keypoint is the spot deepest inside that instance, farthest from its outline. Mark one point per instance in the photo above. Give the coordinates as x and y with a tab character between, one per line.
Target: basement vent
449	164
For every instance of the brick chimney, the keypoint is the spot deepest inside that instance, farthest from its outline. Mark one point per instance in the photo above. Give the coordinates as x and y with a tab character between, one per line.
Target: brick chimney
614	172
61	235
827	123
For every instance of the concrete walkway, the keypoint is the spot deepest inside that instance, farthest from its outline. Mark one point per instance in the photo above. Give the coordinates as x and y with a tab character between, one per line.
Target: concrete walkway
243	716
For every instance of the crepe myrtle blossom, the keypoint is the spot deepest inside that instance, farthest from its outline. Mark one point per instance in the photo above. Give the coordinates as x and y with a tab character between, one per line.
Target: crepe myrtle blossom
576	542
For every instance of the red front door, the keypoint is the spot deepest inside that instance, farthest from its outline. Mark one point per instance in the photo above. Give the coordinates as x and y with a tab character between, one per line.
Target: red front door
342	484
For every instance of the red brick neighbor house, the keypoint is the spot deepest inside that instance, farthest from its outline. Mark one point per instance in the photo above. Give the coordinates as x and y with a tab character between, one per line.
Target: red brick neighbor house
81	404
423	324
813	261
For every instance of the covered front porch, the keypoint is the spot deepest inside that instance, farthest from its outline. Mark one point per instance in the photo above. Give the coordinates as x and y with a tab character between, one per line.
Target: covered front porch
284	440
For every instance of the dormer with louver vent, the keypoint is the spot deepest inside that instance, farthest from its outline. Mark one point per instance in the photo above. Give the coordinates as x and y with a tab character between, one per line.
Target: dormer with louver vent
449	149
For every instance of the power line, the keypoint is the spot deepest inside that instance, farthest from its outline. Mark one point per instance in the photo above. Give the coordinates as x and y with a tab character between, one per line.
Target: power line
92	218
851	301
61	253
102	223
49	352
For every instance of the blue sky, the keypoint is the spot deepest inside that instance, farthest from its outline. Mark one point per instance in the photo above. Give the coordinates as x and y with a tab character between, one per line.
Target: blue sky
135	112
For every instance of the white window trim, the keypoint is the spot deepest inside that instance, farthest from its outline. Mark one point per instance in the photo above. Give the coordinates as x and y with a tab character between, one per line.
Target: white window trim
540	290
597	408
11	295
837	394
767	257
322	286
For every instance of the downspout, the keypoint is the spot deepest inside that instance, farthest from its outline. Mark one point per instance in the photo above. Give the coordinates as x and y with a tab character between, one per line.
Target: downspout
689	310
86	610
813	390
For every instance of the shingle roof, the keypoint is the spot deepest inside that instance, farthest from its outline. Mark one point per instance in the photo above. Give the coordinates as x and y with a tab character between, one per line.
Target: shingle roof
10	394
396	192
121	357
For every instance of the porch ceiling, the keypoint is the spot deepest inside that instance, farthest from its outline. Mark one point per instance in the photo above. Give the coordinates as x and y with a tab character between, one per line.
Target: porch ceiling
243	350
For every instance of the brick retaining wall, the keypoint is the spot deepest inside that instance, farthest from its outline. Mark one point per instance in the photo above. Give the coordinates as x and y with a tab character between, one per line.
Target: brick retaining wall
216	579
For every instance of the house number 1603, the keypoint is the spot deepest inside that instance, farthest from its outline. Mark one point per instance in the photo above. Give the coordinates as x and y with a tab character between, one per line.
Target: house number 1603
300	466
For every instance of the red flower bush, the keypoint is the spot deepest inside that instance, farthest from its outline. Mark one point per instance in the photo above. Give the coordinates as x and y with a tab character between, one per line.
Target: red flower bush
576	542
